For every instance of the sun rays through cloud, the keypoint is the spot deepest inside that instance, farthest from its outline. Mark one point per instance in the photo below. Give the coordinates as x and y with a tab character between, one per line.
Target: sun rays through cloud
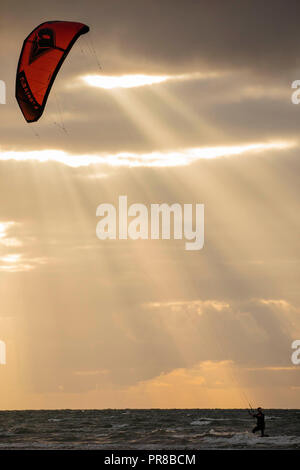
124	81
152	159
170	114
110	82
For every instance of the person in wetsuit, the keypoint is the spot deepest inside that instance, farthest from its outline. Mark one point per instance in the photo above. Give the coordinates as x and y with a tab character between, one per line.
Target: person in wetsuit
260	421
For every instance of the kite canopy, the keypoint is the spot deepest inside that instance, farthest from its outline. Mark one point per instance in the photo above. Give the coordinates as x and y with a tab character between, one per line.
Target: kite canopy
43	53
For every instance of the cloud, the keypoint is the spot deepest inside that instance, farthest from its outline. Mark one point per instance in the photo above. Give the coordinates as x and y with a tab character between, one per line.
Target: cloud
185	305
132	81
171	158
123	81
175	36
5	238
153	316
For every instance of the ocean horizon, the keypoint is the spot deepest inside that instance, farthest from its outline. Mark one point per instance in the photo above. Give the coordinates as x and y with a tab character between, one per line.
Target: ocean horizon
147	429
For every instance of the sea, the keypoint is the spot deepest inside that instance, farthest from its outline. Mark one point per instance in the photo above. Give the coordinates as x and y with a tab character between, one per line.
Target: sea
150	429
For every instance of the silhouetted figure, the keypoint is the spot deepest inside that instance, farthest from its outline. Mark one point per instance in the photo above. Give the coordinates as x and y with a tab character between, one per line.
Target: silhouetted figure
260	421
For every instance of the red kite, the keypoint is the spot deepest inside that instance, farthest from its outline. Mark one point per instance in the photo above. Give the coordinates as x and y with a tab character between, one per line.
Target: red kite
42	55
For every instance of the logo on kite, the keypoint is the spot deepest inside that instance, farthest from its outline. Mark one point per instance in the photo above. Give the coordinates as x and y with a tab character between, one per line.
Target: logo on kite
42	55
43	42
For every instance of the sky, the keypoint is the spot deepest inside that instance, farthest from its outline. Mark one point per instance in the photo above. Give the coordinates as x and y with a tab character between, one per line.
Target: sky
165	102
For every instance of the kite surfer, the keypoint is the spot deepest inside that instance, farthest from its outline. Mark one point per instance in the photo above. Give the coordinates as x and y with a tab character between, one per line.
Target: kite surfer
260	421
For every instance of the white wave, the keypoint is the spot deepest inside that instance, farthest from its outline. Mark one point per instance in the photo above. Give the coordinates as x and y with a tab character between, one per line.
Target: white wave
119	426
205	420
233	439
200	422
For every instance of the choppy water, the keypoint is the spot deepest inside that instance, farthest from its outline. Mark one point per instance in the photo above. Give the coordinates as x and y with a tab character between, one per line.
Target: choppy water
146	429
